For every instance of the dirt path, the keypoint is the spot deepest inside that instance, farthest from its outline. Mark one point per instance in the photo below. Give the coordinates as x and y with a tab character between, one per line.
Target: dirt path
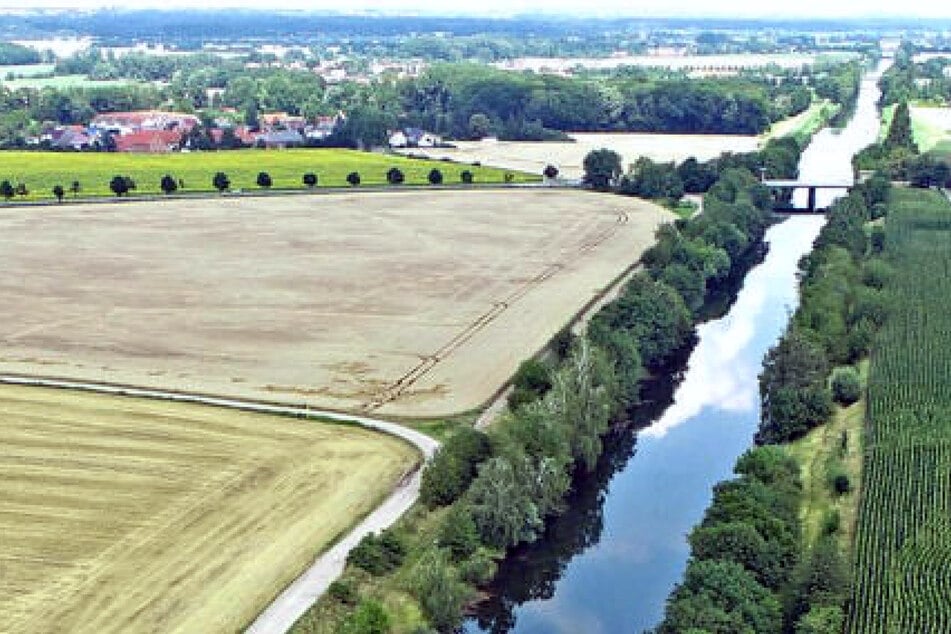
294	600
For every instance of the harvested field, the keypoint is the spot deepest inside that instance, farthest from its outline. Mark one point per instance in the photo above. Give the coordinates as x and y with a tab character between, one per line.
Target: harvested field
124	515
411	304
532	157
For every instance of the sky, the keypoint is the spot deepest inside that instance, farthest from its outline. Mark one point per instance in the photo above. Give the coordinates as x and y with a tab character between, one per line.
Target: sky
592	8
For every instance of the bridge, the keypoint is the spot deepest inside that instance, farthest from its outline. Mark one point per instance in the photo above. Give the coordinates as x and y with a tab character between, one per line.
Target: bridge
782	202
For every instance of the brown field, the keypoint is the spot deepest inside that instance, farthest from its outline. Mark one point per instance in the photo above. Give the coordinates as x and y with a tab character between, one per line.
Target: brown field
413	304
122	515
568	157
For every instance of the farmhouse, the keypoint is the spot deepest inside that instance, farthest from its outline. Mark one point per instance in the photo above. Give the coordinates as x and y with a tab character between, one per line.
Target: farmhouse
149	141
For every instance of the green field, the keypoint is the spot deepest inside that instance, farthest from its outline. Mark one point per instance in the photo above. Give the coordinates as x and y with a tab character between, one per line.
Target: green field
903	538
40	171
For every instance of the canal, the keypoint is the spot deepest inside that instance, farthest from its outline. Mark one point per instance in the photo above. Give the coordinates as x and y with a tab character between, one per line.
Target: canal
608	564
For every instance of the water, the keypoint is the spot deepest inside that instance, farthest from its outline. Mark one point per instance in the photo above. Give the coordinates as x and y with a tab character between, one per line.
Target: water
609	563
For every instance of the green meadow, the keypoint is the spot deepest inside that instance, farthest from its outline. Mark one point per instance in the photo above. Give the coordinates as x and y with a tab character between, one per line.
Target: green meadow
41	171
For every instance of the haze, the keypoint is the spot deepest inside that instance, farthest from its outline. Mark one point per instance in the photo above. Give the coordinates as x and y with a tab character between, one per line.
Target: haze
603	8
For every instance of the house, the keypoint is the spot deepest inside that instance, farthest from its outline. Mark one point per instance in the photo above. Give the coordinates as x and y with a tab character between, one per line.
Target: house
282	120
126	122
279	139
149	141
72	137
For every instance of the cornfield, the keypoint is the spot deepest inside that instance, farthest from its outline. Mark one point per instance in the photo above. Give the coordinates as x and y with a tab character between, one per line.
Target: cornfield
903	540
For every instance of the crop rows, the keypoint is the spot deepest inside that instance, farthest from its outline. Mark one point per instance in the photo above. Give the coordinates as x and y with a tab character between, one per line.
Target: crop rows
903	544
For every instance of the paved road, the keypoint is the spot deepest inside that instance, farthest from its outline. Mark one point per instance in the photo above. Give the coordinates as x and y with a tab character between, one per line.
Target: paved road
278	617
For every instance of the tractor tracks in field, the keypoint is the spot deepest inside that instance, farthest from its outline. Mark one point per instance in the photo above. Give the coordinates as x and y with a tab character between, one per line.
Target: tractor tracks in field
303	592
406	382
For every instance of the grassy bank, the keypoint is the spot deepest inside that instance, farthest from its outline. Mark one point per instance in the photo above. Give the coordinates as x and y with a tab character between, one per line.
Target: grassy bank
41	171
805	124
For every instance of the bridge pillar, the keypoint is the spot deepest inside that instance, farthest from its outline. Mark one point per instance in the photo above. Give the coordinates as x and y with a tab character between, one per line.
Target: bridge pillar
812	199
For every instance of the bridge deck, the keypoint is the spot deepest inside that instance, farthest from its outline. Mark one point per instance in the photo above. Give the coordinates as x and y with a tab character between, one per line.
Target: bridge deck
790	184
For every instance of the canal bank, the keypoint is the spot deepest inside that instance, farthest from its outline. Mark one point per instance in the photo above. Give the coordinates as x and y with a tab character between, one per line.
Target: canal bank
609	563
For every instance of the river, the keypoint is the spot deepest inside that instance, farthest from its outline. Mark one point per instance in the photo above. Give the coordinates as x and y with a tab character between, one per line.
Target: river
608	564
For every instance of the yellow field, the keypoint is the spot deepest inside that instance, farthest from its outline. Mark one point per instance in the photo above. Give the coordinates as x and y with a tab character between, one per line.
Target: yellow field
122	515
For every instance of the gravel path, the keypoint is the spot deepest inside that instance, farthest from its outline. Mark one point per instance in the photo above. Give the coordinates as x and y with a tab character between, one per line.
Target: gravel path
290	604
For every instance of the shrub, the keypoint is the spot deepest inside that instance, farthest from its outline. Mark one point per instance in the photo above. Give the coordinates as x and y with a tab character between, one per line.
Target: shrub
310	179
344	592
531	381
441	594
378	555
466	177
395	176
841	484
59	192
264	180
550	171
369	618
509	178
479	569
435	177
846	386
353	178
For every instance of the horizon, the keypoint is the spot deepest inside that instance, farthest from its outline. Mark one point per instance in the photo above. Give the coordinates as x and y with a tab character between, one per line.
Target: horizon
733	10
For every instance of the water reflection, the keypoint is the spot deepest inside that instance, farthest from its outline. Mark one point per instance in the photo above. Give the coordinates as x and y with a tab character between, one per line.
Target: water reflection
608	564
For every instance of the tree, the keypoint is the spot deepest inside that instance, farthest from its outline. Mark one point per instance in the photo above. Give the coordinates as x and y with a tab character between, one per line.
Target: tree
22	190
466	177
310	179
75	188
550	171
531	381
221	182
6	190
440	593
168	184
900	134
480	126
434	177
502	505
602	168
353	178
264	180
458	532
846	386
453	467
59	192
119	185
395	176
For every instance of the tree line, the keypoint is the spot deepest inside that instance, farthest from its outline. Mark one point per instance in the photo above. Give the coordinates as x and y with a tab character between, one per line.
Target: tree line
749	569
495	491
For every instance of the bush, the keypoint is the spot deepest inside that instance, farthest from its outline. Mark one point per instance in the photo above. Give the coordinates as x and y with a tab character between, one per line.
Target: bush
846	386
479	569
441	594
509	178
344	592
119	185
264	180
550	171
378	555
369	618
531	381
59	192
310	179
435	177
395	176
841	484
353	178
466	177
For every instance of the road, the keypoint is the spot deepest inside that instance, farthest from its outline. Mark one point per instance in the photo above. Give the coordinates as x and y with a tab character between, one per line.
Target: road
290	604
